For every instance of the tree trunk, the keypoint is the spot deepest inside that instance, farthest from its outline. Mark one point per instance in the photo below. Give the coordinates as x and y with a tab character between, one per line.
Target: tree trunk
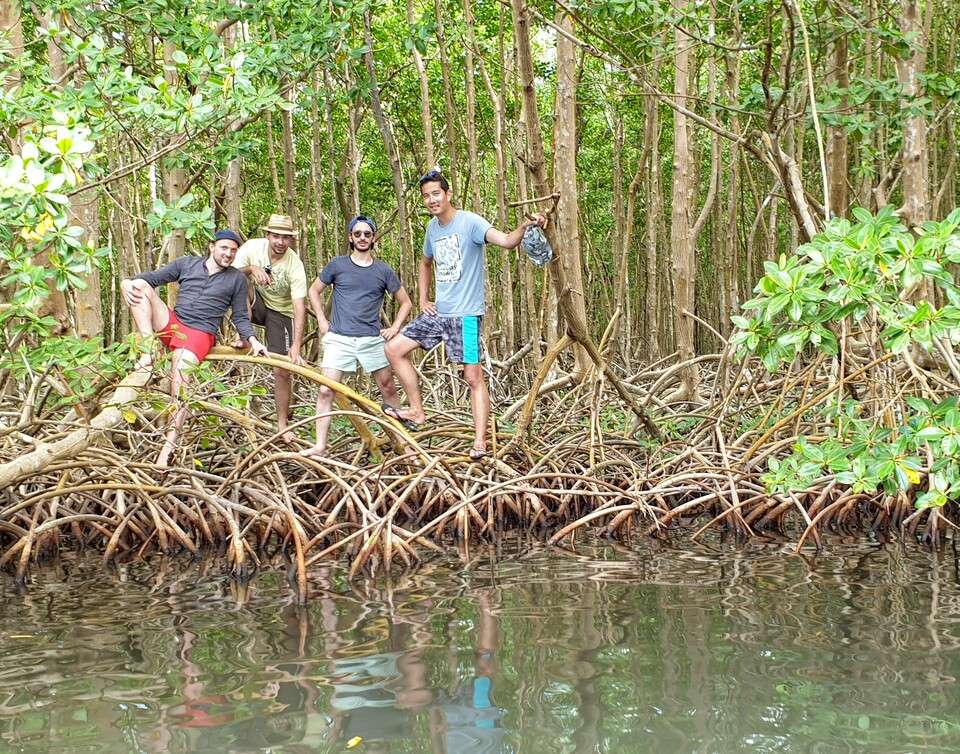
336	177
353	153
729	237
471	95
654	204
272	159
915	207
289	163
684	253
449	110
838	148
12	31
576	324
426	118
231	187
316	173
500	148
84	213
386	132
565	179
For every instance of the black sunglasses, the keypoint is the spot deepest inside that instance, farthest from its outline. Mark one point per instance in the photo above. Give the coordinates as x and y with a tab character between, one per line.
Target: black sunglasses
363	234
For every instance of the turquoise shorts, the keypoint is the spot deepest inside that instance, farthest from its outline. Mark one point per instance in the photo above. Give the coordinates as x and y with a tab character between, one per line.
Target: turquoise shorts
344	352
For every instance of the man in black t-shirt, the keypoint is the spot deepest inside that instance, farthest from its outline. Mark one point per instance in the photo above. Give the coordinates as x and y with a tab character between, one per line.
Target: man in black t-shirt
356	335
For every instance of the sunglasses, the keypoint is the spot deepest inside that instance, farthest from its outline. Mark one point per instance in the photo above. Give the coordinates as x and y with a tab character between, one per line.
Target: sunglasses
363	234
431	176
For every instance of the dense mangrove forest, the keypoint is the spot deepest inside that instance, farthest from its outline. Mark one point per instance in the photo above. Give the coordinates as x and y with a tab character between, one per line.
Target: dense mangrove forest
748	327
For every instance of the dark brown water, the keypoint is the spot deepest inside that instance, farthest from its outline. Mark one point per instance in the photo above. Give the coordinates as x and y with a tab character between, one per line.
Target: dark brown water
643	650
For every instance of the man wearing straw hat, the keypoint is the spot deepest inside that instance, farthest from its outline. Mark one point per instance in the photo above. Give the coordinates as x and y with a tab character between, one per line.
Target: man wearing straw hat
278	292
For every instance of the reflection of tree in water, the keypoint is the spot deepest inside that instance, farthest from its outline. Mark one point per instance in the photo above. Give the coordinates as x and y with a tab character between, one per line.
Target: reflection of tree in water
691	651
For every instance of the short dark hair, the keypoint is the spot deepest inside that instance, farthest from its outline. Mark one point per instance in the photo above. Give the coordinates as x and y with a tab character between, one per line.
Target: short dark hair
434	176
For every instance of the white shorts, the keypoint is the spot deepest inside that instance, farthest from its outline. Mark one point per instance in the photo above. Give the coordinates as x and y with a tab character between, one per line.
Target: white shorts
343	352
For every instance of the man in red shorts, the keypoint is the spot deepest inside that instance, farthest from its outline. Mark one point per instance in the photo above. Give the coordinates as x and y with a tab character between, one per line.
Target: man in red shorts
208	287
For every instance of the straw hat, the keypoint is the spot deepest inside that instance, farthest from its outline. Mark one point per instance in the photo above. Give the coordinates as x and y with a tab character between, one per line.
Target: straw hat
282	225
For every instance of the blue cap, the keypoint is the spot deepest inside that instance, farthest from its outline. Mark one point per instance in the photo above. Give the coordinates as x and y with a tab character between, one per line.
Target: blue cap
361	219
227	235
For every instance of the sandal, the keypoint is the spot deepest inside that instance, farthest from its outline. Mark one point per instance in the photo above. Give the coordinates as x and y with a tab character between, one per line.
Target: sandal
394	413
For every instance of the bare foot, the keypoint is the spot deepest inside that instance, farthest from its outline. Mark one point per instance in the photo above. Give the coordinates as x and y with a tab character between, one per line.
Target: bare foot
315	451
477	452
288	437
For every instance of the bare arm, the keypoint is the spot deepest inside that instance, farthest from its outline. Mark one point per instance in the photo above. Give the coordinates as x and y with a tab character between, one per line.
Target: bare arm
299	324
424	279
512	239
403	311
316	302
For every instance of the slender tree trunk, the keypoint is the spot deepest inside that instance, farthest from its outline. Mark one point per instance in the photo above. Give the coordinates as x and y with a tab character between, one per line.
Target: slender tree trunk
654	205
336	176
426	118
231	188
449	109
530	329
565	177
272	159
622	234
316	173
353	153
175	179
729	237
684	253
471	96
84	213
289	163
915	207
386	132
500	148
838	147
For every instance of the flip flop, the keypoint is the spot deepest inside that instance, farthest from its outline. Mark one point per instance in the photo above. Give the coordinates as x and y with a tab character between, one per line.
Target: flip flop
394	413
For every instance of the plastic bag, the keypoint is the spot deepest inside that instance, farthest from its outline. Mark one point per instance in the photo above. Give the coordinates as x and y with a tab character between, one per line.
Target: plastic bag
536	246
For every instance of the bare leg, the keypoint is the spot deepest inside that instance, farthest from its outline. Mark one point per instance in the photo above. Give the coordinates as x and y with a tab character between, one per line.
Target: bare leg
282	388
479	403
398	352
388	388
150	314
324	403
181	358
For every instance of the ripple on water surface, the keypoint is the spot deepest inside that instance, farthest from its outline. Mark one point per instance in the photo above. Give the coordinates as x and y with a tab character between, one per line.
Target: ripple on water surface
602	648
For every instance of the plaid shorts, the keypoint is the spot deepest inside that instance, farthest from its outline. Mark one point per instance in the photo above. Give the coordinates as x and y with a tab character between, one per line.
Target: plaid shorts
460	336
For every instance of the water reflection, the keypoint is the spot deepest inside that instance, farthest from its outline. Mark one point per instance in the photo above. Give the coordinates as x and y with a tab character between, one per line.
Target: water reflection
597	650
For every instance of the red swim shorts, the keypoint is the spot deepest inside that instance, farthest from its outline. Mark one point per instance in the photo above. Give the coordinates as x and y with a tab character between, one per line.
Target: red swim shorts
176	335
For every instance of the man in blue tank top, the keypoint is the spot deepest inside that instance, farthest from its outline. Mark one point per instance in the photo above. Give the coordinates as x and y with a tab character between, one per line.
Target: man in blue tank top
454	253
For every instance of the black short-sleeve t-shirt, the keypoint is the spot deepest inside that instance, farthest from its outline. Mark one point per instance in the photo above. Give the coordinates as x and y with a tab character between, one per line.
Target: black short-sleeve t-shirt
358	294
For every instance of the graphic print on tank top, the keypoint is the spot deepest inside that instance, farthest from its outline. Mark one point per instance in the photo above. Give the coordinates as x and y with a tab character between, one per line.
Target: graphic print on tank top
448	258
